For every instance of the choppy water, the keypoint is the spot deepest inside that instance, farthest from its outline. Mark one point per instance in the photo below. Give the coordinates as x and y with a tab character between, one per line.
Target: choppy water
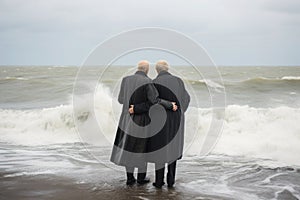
263	87
215	177
257	156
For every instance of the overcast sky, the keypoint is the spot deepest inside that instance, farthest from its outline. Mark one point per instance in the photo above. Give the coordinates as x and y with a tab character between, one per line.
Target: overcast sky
234	32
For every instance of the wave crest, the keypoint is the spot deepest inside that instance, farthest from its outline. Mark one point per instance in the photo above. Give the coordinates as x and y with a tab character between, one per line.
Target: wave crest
261	132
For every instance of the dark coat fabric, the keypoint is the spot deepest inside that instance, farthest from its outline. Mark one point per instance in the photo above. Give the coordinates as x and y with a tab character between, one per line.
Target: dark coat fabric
131	137
169	141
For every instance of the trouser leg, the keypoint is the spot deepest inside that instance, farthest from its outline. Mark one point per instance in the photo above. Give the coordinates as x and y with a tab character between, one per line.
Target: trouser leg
159	174
129	173
171	173
142	171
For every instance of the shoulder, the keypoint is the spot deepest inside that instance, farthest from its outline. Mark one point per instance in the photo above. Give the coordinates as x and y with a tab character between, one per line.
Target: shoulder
124	79
129	77
176	78
145	79
138	78
171	76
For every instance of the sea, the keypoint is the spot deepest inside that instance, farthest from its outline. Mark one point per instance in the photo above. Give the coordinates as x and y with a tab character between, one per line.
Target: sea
256	154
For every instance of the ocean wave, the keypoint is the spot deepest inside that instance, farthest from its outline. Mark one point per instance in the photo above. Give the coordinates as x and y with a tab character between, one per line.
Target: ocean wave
247	131
291	78
262	80
251	81
211	83
208	83
271	133
13	78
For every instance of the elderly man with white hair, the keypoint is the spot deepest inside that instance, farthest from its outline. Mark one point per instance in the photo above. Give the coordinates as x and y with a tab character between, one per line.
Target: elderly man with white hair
170	139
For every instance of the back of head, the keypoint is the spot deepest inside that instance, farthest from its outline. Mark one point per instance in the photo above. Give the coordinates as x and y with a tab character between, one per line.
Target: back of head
162	65
143	66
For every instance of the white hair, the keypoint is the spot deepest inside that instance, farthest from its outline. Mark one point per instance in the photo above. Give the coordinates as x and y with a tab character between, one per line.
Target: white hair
162	65
143	66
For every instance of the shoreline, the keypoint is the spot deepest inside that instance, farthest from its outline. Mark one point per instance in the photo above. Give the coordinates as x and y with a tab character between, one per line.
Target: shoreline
213	178
49	186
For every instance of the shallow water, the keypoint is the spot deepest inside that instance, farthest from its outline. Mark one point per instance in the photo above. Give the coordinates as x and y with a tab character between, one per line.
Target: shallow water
212	177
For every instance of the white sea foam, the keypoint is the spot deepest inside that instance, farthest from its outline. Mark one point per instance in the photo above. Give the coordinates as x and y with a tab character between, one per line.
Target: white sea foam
34	127
271	133
15	78
291	78
29	173
211	83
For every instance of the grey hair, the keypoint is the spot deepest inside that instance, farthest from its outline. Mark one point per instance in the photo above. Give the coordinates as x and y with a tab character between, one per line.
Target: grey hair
162	65
143	66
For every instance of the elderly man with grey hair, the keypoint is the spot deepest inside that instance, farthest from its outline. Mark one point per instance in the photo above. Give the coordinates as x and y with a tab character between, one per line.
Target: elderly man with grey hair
137	94
162	65
171	136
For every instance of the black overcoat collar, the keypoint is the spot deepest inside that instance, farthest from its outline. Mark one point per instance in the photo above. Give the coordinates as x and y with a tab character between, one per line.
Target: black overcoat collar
162	73
141	73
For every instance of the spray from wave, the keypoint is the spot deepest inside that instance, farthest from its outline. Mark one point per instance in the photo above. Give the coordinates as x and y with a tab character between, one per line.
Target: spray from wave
269	133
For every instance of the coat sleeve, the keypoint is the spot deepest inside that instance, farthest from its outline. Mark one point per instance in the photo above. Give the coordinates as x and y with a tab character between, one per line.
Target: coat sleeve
121	93
185	97
165	103
141	108
152	96
145	106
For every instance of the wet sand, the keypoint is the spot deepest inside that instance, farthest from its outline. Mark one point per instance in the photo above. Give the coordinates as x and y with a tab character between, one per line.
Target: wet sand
41	187
54	187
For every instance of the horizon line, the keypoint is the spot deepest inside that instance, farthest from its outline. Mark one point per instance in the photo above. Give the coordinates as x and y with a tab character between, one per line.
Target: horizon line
127	65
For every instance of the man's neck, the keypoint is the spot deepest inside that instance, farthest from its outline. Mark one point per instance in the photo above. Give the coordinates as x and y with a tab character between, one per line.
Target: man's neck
141	72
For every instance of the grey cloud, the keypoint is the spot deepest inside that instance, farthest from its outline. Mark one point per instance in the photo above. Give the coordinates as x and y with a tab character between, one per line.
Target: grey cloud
74	27
283	6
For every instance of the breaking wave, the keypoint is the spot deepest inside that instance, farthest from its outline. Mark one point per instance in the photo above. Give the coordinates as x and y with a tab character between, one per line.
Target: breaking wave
271	133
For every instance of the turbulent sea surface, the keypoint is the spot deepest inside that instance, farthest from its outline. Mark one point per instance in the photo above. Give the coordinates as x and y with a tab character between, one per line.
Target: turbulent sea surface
256	157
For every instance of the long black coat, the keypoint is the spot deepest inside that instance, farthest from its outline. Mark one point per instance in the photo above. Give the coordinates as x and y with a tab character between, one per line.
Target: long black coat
129	149
169	141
